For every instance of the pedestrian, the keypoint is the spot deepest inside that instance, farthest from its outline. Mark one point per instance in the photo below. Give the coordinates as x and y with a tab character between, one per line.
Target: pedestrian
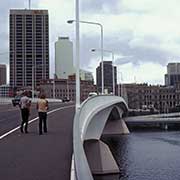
42	107
25	104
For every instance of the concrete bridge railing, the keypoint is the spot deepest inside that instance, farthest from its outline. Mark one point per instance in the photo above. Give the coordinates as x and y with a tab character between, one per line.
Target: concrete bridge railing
8	100
89	123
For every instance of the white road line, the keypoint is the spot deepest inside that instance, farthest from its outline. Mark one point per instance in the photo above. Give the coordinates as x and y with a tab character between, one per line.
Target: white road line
54	110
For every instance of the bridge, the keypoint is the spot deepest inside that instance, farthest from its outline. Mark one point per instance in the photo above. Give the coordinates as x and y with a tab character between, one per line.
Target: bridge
157	120
72	148
50	156
91	155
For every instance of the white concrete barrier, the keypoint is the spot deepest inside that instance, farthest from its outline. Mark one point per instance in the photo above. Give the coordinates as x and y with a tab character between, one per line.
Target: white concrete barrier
89	123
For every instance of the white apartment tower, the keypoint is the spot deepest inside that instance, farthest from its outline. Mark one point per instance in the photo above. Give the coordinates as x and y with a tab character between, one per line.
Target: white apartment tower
64	58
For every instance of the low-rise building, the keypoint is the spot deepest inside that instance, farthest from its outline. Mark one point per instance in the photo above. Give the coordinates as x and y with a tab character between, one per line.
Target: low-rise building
66	88
6	91
162	98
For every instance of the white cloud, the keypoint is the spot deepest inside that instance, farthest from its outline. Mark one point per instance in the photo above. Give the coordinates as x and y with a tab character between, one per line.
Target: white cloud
145	72
147	31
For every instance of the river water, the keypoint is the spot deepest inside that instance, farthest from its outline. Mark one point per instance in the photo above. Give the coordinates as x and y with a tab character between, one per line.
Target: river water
146	156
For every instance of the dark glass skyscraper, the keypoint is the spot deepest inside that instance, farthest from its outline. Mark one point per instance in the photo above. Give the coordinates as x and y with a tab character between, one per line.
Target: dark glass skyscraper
2	74
108	81
29	47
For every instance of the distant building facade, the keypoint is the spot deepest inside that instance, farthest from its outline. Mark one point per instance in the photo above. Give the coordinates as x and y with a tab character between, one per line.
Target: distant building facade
66	88
173	74
86	75
64	58
108	76
162	98
29	47
6	91
3	78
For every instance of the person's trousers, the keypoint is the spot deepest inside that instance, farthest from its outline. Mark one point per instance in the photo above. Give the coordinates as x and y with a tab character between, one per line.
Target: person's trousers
42	121
25	117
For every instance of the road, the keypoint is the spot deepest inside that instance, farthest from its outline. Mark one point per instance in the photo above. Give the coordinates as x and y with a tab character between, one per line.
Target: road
31	156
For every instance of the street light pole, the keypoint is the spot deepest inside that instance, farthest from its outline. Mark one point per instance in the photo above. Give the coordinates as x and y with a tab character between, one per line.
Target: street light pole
102	37
77	57
33	81
67	89
29	4
113	77
54	88
34	78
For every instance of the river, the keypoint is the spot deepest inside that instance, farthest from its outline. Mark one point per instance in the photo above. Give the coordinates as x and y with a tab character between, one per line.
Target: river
146	155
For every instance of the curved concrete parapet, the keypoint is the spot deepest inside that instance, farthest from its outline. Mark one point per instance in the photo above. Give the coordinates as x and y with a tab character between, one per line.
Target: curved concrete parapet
89	123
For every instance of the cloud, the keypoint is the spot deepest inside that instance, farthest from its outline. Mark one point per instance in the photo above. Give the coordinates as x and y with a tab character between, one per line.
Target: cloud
100	6
139	32
145	72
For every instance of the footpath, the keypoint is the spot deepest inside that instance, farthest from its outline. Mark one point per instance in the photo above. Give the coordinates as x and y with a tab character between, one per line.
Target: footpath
39	157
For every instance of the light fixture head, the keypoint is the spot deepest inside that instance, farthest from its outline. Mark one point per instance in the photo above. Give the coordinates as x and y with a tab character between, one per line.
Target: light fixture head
70	21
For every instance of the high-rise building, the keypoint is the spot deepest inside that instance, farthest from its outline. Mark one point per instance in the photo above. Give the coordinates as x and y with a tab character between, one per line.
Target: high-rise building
108	76
2	74
64	58
29	47
173	74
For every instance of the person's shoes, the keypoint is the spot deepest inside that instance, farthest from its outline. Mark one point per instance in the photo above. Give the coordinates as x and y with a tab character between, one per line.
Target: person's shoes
21	130
45	131
40	133
26	132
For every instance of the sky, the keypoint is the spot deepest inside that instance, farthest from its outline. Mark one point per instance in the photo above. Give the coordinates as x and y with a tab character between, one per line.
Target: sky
143	34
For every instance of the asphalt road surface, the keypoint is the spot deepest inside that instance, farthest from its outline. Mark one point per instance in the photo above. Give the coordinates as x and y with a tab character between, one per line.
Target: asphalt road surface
32	156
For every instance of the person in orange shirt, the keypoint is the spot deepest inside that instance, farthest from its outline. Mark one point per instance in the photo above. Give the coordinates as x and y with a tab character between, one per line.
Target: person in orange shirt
42	107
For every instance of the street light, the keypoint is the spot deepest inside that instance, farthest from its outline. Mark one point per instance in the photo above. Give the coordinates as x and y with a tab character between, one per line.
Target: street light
113	77
33	77
98	24
54	88
120	90
77	57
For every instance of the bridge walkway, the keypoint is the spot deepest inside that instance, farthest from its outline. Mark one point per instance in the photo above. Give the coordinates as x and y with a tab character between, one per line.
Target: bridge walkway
39	157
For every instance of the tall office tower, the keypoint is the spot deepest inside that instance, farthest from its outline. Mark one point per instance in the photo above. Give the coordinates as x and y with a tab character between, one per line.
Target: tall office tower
29	47
2	74
173	74
108	80
64	58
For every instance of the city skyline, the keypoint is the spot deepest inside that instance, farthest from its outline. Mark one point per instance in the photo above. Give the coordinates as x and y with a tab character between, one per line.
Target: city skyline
144	36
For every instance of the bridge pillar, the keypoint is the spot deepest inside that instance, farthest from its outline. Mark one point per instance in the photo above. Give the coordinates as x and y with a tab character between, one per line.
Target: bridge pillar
115	124
115	127
100	158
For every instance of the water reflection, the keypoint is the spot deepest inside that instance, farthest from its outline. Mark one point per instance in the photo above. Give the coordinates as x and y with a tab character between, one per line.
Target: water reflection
118	147
107	177
145	156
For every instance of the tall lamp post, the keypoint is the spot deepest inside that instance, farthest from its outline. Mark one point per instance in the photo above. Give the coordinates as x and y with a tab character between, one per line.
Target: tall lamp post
120	91
77	57
33	77
113	77
54	87
101	26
